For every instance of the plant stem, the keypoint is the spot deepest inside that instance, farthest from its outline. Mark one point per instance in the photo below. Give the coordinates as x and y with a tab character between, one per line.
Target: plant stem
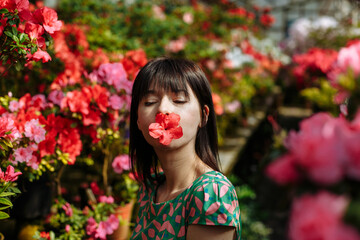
57	180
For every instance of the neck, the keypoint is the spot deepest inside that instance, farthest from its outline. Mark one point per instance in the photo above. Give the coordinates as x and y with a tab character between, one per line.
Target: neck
181	167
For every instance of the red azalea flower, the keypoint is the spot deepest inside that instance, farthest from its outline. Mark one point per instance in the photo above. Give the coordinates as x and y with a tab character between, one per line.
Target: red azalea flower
93	118
166	128
40	55
48	17
10	175
70	142
101	96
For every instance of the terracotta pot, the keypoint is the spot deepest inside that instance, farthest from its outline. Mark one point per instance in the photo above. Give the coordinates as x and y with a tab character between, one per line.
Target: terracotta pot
125	212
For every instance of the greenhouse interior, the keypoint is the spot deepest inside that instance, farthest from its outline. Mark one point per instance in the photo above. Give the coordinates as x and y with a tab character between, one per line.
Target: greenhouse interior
80	94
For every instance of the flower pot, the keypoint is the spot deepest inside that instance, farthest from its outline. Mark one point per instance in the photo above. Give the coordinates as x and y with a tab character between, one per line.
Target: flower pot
125	212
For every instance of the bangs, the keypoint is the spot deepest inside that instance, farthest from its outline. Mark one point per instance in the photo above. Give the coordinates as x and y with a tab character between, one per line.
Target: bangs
165	77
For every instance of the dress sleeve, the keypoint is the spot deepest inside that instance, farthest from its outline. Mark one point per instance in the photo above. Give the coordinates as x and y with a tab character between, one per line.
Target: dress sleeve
214	203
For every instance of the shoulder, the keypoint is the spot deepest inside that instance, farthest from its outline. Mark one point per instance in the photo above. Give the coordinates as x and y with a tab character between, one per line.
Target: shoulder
211	179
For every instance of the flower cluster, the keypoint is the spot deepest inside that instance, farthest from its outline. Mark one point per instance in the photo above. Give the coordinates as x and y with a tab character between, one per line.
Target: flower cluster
27	31
324	150
320	216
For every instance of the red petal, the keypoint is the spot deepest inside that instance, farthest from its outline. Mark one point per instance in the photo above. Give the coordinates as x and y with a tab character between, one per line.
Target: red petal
172	120
166	138
176	132
156	130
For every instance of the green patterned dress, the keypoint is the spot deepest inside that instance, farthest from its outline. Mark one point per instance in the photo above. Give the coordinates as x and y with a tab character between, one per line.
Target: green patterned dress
210	200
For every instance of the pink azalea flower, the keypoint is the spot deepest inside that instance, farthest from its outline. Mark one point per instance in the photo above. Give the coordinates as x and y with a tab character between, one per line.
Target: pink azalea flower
14	105
116	102
68	209
91	226
10	175
283	170
67	228
166	128
349	57
33	162
7	125
113	222
121	163
101	231
23	154
316	148
105	199
320	217
56	96
34	130
113	74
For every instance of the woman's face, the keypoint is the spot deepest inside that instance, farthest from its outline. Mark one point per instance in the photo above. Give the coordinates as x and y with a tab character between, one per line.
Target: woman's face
157	101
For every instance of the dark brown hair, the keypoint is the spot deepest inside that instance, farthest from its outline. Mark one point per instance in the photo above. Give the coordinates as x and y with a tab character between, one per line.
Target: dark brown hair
171	74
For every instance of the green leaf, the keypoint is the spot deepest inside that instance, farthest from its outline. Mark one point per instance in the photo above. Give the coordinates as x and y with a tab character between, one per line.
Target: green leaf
4	146
3	10
8	33
22	37
3	215
6	194
5	201
14	30
14	190
3	208
8	143
16	39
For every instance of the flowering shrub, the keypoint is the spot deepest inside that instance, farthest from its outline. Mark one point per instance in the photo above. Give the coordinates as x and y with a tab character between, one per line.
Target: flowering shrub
66	221
24	35
7	189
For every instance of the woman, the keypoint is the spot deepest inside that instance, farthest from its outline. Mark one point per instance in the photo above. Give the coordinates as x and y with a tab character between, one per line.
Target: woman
172	123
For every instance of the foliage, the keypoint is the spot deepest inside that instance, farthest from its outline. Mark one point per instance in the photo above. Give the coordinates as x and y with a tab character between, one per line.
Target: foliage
69	222
252	225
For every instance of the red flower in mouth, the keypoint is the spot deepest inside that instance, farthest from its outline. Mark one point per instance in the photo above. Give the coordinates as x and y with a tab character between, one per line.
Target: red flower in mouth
166	128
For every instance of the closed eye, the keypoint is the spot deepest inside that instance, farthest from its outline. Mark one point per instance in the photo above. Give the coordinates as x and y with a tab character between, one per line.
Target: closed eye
180	101
149	103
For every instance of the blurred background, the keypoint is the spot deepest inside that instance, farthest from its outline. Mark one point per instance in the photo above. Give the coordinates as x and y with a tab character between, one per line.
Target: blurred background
285	82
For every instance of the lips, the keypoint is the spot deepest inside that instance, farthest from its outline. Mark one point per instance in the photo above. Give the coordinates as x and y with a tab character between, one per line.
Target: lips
166	128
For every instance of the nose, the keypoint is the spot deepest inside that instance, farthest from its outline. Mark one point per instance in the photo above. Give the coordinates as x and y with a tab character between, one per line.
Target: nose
165	106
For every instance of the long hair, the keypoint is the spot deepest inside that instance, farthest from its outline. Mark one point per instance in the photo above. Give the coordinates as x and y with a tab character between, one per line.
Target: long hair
171	74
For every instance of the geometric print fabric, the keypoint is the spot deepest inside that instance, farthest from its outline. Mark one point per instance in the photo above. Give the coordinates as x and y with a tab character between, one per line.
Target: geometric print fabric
210	200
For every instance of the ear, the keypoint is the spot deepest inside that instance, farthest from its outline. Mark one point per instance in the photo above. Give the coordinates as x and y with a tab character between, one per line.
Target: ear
205	116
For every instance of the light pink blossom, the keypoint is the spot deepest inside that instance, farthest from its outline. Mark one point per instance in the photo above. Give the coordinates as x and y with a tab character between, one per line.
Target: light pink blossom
14	105
116	102
34	130
176	45
349	57
33	162
113	74
121	163
188	18
231	107
6	126
67	228
91	226
56	96
22	154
